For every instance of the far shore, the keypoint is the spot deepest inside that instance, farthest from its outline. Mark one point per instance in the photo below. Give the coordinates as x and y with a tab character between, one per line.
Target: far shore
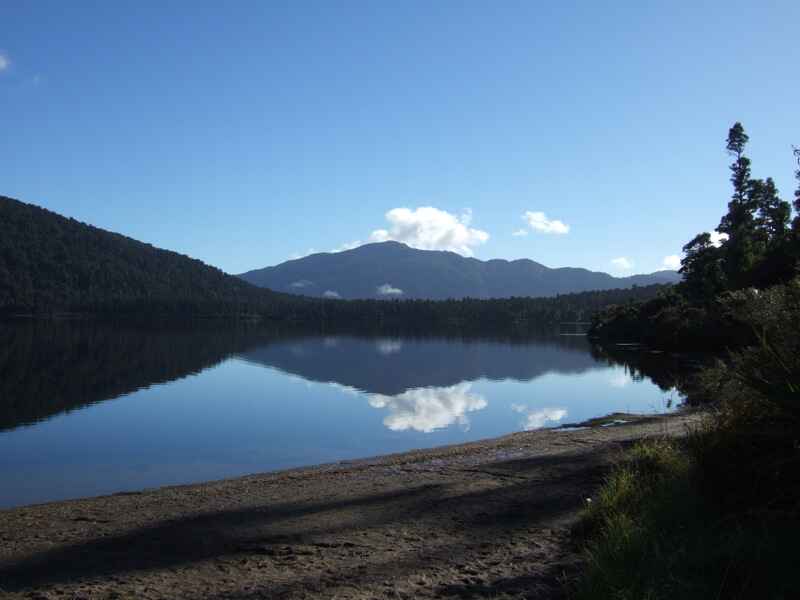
484	519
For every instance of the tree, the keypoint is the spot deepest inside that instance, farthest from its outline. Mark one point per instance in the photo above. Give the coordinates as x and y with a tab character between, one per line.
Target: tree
701	267
743	249
739	208
774	214
796	223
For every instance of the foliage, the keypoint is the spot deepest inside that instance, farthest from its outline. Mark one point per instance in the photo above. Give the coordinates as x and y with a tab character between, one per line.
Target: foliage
719	516
652	532
756	246
754	249
50	265
672	322
755	436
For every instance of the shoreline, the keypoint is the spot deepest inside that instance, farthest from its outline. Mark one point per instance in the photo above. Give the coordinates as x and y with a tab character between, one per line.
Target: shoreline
490	517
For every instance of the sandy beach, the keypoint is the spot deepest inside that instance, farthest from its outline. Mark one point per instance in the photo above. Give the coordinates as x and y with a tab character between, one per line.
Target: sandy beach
488	519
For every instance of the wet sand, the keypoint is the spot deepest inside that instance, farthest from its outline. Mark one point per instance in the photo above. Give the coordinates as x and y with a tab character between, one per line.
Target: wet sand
488	519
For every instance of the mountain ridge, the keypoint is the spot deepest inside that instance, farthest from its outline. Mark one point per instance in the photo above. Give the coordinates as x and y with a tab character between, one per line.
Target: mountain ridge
394	270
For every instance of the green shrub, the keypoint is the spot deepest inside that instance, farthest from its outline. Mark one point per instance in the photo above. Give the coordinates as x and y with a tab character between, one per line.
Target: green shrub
653	533
750	452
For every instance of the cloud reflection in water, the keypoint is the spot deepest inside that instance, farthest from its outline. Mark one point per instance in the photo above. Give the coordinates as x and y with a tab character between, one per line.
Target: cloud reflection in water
428	409
536	419
388	346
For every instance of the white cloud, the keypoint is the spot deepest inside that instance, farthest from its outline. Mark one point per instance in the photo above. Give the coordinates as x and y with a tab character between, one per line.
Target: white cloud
5	62
388	346
536	419
539	223
297	255
303	283
348	246
622	263
520	232
672	262
387	290
428	409
429	228
717	238
330	294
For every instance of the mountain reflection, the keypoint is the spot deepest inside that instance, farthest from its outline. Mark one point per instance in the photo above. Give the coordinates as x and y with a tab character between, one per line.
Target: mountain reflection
393	366
425	383
51	367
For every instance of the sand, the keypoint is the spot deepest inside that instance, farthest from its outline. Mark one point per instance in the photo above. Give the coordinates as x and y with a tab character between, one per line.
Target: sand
489	519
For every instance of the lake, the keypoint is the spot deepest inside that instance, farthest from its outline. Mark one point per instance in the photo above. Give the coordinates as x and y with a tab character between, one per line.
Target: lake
89	409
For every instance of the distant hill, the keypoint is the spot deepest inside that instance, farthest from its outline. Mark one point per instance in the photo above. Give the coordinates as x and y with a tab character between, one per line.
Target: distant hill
390	270
49	263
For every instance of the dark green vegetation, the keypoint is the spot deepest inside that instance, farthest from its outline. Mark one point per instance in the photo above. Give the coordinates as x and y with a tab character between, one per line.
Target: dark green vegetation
759	248
716	515
49	263
655	532
53	265
433	275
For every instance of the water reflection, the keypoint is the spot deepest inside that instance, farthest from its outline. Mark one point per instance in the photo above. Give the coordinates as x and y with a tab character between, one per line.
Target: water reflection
390	367
428	409
87	408
47	368
536	418
50	367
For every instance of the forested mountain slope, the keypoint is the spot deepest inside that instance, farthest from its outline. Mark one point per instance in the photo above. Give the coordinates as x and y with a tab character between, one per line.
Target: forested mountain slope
394	270
50	263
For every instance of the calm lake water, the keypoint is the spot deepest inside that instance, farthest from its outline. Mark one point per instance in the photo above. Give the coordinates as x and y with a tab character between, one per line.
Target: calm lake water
88	409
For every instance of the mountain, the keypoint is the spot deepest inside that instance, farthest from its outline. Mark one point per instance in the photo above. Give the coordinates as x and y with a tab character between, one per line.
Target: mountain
393	270
49	263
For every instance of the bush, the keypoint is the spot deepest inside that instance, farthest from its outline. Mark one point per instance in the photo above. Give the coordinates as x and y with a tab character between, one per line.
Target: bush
653	533
755	437
720	516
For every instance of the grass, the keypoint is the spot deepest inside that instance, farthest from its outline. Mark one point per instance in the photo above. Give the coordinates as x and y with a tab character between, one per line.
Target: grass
653	532
716	515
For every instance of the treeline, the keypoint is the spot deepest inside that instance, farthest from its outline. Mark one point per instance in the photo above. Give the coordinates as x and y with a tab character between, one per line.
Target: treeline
472	314
755	247
733	484
51	265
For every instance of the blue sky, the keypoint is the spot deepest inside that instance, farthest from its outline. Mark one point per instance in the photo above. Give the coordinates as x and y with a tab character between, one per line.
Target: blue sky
244	133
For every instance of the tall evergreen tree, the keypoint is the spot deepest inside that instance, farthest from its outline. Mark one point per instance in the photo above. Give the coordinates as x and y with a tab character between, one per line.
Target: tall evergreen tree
743	248
774	214
796	223
701	267
739	208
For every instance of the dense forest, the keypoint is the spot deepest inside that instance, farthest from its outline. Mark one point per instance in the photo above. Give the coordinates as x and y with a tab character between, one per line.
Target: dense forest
52	265
733	483
756	248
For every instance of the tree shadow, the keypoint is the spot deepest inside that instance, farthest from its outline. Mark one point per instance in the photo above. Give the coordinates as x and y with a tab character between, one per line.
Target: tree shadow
544	491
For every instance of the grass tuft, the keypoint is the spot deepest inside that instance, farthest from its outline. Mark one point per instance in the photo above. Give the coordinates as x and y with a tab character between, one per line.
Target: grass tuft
652	533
